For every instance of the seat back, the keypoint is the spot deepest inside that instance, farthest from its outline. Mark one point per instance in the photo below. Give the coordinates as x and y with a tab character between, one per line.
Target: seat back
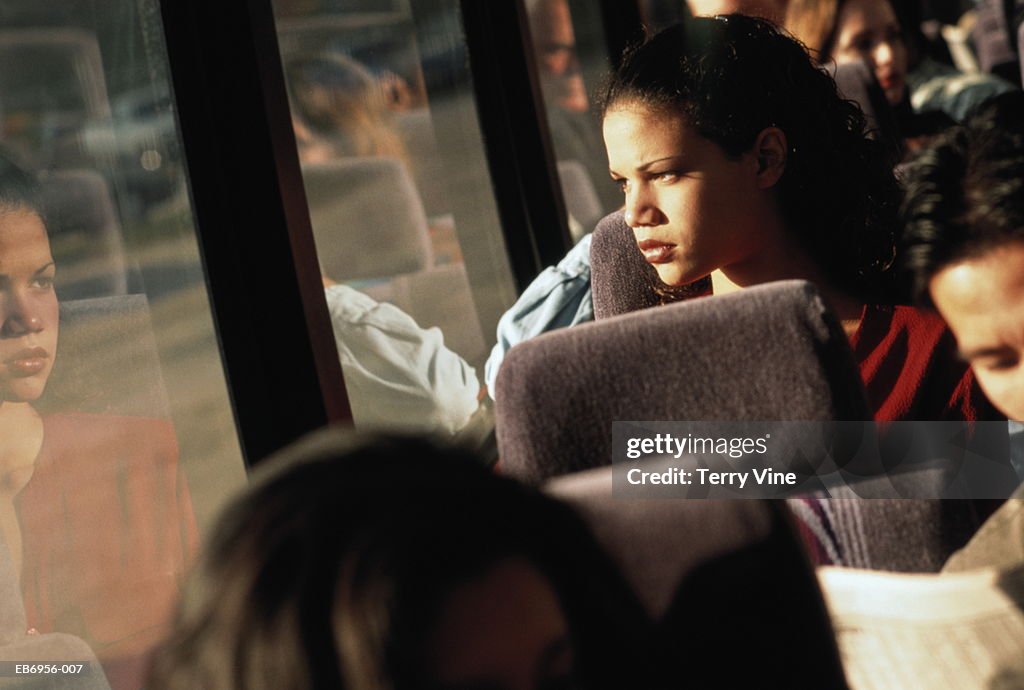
107	360
715	576
368	220
621	281
581	200
772	352
85	235
856	82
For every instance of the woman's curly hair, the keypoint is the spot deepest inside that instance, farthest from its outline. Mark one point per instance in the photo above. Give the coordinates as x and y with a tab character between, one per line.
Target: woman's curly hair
733	76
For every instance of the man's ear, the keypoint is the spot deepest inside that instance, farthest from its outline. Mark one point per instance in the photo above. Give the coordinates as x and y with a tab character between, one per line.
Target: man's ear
770	150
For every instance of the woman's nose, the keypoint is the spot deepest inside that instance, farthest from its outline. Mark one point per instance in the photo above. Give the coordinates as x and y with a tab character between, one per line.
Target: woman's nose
19	316
640	209
883	54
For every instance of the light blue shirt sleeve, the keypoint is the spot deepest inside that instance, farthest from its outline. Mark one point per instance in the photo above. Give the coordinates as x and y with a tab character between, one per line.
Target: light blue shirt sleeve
558	297
398	376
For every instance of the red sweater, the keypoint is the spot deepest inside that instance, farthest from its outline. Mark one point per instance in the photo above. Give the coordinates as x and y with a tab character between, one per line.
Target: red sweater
108	532
910	367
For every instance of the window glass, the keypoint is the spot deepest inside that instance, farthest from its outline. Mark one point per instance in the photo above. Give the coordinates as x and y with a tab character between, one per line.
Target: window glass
571	58
400	198
117	442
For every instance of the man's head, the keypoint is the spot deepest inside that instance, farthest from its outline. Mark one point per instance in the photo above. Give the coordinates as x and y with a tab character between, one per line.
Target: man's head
964	242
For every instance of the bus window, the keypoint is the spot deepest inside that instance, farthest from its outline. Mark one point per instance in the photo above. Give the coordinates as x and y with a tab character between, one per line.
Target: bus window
406	228
571	57
116	432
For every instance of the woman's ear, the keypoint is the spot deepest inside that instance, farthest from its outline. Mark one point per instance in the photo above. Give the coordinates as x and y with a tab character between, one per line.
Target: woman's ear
770	149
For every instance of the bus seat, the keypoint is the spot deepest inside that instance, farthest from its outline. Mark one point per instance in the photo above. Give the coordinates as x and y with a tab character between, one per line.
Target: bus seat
85	235
715	575
902	535
368	220
581	200
427	163
107	360
558	394
856	82
620	280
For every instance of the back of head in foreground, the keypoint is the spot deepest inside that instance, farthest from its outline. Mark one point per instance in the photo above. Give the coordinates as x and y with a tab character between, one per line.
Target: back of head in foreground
964	242
390	564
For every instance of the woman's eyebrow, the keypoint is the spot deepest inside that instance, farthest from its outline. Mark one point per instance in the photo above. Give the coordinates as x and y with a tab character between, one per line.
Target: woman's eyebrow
45	266
645	166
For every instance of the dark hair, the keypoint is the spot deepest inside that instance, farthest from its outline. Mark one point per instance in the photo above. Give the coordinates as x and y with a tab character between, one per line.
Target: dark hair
965	193
731	77
19	189
329	571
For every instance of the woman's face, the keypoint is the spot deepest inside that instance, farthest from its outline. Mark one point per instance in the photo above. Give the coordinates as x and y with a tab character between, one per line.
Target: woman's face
28	306
503	631
868	30
692	208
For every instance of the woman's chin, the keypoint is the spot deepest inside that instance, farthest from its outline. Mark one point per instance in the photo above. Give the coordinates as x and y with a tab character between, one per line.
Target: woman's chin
24	391
672	275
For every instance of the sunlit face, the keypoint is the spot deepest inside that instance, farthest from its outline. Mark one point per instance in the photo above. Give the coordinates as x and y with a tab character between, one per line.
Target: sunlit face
555	47
982	300
692	208
868	30
503	631
28	306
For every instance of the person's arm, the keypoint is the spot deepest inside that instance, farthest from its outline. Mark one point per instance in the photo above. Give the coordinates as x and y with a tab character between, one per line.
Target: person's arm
558	297
397	374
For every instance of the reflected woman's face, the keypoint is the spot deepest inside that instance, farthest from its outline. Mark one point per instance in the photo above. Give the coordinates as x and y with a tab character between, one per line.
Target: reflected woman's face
28	306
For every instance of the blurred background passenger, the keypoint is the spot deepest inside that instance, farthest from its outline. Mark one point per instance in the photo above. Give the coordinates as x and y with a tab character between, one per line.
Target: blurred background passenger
397	374
964	241
94	511
575	130
396	564
871	30
339	108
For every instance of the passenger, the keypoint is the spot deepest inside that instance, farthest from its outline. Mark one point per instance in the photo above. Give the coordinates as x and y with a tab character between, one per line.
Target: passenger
870	30
964	241
396	564
738	159
398	376
94	510
340	109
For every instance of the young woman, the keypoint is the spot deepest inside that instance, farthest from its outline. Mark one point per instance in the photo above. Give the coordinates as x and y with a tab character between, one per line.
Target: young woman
94	512
390	564
738	159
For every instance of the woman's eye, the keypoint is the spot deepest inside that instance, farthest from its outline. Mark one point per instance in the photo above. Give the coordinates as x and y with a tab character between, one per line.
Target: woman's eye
1001	364
668	176
43	282
623	185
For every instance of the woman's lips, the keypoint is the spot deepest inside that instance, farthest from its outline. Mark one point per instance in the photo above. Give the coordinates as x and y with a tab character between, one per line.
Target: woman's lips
656	252
27	362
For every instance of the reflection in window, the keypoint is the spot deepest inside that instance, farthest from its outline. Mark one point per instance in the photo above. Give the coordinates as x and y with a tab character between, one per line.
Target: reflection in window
406	231
116	436
575	130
